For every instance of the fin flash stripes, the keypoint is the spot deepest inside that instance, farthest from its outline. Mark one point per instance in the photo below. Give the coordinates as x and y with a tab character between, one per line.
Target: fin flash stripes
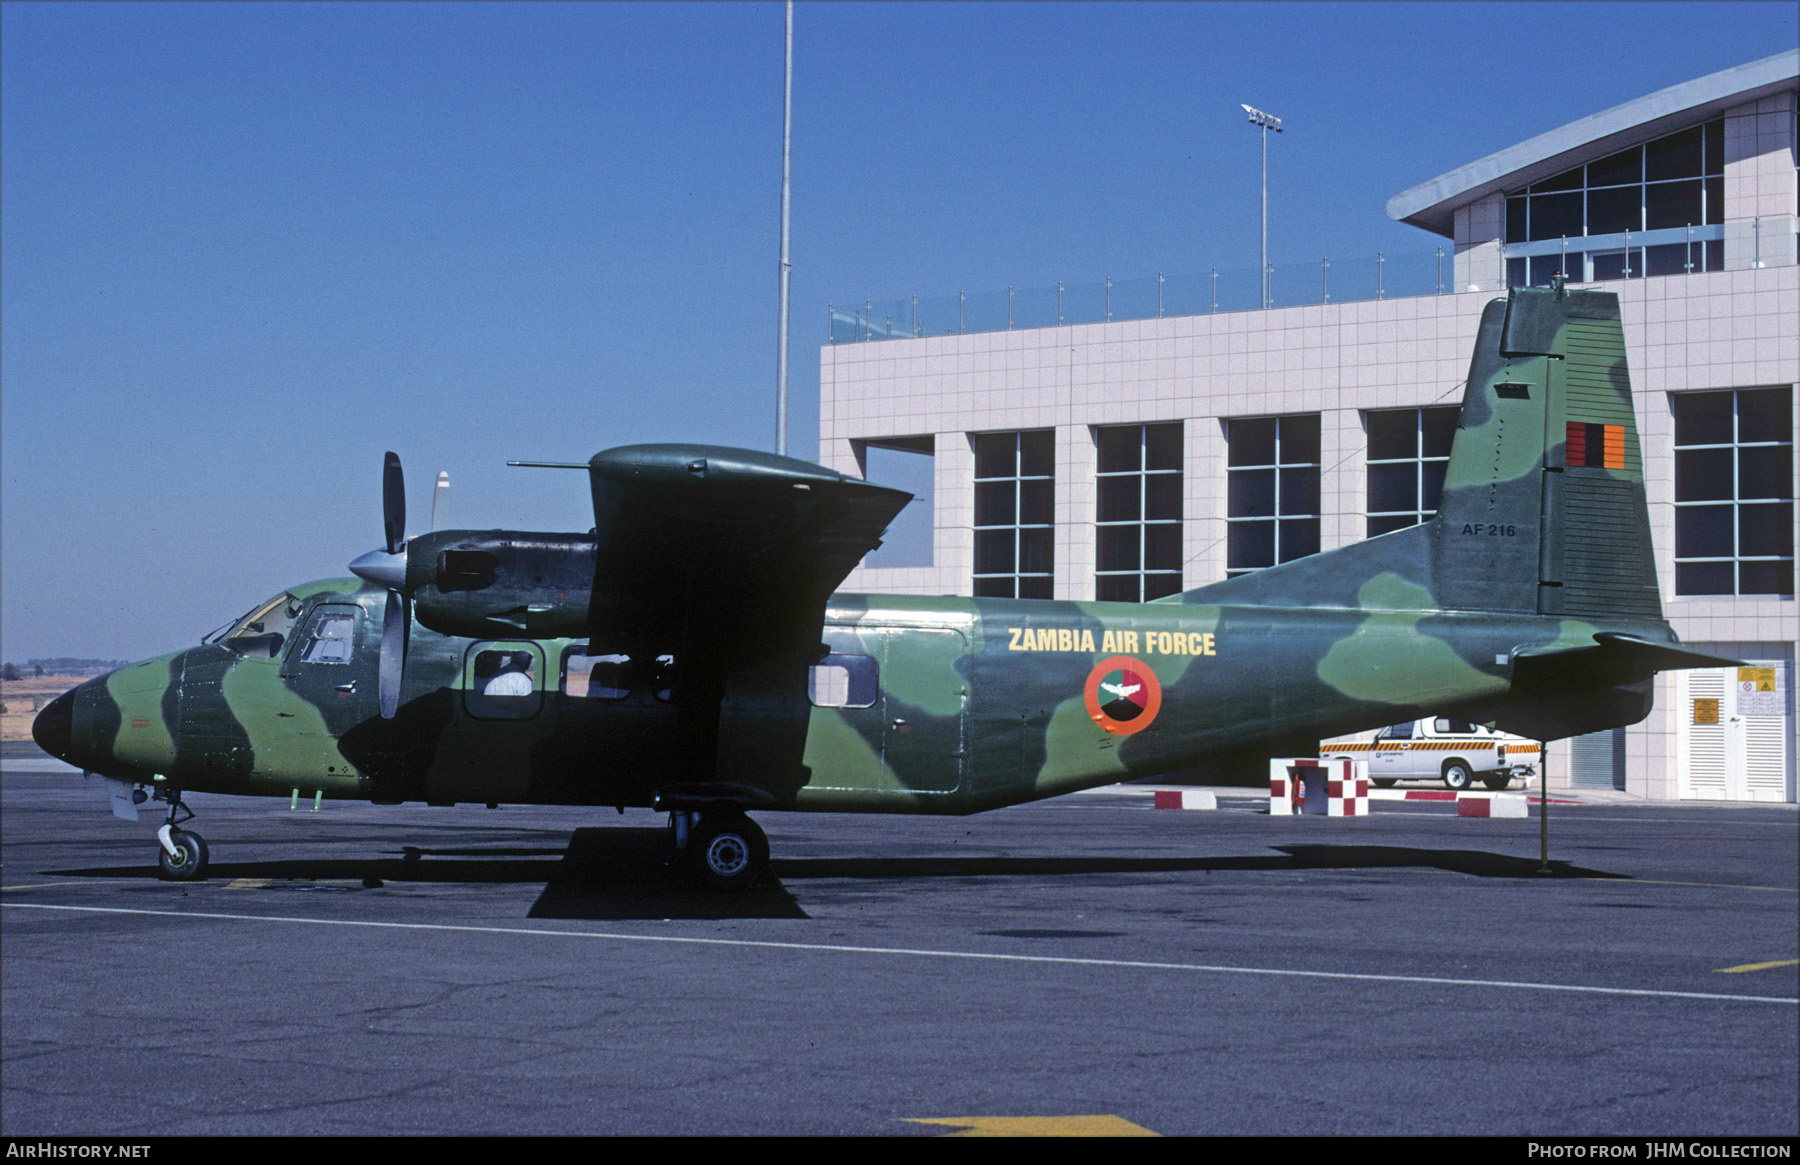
1598	446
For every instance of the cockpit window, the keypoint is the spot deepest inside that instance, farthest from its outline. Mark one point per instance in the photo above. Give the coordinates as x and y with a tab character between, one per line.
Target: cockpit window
333	639
261	633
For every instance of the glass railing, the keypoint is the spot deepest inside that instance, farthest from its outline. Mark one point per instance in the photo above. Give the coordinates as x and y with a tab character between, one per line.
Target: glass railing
1758	242
1381	276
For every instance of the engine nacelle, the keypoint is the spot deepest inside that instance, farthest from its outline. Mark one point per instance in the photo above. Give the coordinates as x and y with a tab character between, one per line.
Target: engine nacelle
502	583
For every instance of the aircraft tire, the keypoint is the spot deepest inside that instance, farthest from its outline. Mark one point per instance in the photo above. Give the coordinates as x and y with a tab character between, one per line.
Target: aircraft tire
1457	775
189	863
728	852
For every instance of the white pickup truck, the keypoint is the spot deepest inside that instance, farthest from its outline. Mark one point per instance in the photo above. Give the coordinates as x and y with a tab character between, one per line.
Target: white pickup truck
1453	751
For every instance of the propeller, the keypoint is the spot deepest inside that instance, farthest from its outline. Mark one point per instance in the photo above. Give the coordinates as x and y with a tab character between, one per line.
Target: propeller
387	567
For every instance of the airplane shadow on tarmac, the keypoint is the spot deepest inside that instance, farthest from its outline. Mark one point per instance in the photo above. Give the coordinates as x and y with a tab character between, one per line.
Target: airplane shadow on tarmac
617	873
1299	857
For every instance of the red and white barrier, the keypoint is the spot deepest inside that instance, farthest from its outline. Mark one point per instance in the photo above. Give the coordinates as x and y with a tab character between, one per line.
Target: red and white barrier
1186	799
1331	788
1494	805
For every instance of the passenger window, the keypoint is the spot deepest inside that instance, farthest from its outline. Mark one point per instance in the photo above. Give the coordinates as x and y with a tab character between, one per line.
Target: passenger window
332	638
844	681
1397	732
505	673
596	677
1454	727
503	683
662	677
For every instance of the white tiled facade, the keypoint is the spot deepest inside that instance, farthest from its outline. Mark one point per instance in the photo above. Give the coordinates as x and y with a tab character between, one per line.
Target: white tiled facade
1731	329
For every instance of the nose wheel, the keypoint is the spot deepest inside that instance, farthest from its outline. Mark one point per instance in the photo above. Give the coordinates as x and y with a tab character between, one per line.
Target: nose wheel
181	852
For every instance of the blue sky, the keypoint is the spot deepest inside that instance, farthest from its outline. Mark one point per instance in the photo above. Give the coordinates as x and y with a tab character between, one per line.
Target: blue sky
247	248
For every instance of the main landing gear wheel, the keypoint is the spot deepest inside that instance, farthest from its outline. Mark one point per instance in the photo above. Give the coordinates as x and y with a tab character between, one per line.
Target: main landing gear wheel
1457	775
727	851
188	862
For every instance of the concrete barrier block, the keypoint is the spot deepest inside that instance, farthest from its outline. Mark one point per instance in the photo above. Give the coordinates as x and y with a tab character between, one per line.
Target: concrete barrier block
1493	805
1186	799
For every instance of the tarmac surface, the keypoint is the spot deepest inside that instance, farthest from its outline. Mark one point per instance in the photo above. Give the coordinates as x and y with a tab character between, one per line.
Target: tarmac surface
1086	964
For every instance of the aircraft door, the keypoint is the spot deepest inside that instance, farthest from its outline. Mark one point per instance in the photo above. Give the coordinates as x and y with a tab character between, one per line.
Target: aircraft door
501	721
329	665
925	700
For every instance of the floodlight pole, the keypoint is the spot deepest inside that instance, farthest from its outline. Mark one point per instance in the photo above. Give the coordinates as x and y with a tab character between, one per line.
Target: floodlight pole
781	322
1267	122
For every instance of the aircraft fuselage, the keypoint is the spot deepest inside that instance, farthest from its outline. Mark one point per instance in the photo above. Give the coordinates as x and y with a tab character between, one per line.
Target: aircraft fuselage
934	705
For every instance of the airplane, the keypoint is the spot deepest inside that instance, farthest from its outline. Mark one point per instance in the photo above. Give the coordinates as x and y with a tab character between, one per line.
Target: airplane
689	655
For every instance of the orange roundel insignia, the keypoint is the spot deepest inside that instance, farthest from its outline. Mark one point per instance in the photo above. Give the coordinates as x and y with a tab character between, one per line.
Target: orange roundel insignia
1123	695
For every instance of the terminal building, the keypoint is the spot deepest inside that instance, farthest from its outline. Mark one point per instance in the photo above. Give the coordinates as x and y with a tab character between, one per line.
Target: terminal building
1128	458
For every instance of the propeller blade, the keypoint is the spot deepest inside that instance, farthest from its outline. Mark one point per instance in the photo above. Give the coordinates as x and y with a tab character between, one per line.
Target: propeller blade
393	502
438	495
394	624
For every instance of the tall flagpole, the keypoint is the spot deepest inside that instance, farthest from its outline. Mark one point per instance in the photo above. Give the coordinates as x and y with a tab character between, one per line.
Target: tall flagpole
781	324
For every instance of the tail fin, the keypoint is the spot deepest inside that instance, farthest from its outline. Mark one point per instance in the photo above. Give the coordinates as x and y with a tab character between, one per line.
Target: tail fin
1543	508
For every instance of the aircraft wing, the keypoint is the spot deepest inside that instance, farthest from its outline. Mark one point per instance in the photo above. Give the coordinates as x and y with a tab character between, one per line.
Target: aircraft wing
724	549
721	560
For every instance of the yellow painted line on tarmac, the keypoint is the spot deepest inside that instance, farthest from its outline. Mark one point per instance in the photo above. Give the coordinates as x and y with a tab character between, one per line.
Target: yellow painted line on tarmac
1741	968
1037	1126
55	885
246	883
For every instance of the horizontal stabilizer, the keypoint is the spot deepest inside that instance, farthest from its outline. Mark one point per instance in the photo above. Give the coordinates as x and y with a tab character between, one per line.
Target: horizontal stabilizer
1634	656
1570	691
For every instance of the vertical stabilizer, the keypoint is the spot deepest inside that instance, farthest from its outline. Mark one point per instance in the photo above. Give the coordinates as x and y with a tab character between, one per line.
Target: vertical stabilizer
1543	509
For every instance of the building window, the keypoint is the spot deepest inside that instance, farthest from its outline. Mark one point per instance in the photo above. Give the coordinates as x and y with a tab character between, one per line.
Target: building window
1674	185
1272	491
1408	450
1734	492
1138	527
1015	513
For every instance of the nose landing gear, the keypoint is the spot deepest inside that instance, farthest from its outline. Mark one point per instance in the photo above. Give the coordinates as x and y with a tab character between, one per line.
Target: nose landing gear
182	855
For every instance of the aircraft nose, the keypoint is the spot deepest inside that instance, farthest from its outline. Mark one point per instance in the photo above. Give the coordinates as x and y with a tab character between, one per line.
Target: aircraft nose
54	727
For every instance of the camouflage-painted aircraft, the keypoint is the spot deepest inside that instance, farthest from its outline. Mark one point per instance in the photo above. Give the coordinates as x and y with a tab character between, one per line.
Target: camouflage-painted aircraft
689	655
